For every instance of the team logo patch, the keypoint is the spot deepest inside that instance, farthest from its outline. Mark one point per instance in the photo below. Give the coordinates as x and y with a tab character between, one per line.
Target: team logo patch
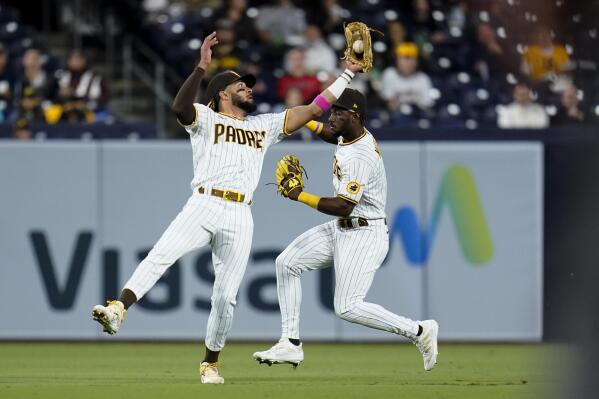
353	187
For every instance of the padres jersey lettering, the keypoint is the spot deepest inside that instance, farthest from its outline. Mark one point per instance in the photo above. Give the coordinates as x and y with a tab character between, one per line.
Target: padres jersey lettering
359	176
240	136
228	152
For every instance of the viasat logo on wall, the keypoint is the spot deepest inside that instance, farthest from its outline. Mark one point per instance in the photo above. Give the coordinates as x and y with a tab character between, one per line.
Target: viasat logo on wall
458	193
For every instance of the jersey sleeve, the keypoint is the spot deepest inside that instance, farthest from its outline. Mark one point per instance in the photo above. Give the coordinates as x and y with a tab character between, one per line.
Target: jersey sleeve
200	121
354	177
276	127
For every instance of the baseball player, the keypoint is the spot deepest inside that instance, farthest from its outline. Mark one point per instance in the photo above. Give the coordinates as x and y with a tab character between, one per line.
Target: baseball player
355	243
228	152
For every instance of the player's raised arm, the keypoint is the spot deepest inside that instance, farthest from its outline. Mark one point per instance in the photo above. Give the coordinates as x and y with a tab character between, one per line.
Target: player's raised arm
183	104
298	116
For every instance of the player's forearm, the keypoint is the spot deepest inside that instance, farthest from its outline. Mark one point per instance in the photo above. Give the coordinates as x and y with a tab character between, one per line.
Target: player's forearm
330	205
298	116
324	132
183	104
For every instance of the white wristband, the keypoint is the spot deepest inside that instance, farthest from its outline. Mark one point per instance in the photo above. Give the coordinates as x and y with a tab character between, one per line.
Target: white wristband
337	87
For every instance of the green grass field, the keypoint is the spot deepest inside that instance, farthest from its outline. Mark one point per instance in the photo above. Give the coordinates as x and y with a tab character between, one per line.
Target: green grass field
145	370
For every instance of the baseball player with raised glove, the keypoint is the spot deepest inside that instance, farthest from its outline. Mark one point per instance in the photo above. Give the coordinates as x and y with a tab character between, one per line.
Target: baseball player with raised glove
355	243
229	145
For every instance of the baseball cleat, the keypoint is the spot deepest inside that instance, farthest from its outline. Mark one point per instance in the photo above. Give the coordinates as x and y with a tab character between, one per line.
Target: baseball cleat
209	374
282	352
427	343
110	316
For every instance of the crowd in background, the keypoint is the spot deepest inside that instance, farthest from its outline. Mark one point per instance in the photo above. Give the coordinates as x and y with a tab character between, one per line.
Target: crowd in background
440	62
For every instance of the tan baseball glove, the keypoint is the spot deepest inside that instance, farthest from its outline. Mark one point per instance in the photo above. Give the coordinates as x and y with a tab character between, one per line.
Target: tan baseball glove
359	44
289	175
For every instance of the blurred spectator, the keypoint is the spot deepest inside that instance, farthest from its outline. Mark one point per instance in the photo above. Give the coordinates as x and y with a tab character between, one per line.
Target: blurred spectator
225	55
569	113
281	23
404	83
7	82
490	58
21	130
30	106
395	35
523	113
330	17
424	29
297	76
81	89
319	55
35	77
236	12
544	60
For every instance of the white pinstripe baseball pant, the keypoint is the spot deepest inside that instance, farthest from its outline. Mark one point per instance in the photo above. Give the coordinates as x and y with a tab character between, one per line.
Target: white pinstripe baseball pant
356	255
228	227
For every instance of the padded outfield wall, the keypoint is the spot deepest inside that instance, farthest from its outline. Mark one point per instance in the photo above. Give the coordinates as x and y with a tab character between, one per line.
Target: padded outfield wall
466	225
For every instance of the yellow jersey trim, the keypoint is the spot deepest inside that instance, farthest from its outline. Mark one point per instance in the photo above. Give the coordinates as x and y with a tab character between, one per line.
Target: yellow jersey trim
195	121
231	116
285	123
354	140
347	199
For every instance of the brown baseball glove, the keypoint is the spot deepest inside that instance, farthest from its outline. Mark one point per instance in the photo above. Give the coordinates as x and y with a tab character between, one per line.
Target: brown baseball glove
289	175
359	44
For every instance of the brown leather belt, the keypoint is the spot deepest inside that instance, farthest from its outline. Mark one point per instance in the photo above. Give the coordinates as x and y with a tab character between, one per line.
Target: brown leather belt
352	223
227	195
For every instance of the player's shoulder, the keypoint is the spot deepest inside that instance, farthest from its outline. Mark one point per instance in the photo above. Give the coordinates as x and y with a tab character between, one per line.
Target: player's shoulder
364	143
270	115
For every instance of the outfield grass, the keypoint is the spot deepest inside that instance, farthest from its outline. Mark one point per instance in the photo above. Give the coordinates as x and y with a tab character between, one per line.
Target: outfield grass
144	370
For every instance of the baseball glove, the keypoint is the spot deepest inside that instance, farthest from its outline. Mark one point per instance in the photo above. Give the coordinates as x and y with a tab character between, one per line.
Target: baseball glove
289	175
359	44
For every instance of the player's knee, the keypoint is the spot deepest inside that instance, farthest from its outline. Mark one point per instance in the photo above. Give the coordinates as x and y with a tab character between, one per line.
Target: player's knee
223	300
345	309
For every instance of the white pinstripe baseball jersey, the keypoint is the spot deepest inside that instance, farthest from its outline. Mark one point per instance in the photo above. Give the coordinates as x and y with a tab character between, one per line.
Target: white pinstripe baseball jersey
359	176
228	152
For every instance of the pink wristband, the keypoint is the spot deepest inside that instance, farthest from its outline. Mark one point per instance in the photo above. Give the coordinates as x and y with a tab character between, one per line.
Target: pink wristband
322	103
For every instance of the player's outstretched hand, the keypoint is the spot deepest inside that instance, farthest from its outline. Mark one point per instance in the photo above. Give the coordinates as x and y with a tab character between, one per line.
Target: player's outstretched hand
206	50
355	68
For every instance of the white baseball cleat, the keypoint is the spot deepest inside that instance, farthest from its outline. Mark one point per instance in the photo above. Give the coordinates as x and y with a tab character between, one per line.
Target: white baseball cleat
427	343
110	316
282	352
209	374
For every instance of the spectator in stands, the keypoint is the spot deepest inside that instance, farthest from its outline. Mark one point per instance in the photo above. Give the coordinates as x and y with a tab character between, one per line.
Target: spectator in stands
7	82
227	55
35	77
404	83
569	113
297	76
523	113
423	27
329	15
21	130
545	60
319	56
281	23
236	12
81	87
30	106
489	56
395	35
